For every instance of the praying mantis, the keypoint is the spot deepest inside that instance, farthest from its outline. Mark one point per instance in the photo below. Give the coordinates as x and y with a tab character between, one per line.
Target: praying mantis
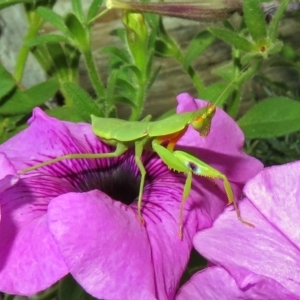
153	135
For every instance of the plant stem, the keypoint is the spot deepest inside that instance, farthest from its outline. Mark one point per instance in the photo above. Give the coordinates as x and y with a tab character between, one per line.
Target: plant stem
137	111
192	73
98	16
95	79
235	104
196	80
236	97
34	25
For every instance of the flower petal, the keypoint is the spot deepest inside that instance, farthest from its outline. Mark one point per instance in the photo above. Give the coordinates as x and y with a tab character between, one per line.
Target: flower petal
8	174
216	283
29	258
104	245
222	148
243	250
48	138
163	233
276	193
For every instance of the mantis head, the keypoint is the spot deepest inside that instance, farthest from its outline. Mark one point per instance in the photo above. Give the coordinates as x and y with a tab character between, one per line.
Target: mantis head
201	122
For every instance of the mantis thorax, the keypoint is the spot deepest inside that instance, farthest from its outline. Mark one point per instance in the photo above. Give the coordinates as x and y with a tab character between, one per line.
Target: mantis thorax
201	122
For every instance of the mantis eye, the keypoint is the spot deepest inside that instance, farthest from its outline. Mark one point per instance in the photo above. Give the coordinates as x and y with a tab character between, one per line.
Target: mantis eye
194	168
202	122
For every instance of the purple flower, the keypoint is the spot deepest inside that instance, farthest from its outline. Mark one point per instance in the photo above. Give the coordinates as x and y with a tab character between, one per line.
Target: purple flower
8	173
64	218
255	263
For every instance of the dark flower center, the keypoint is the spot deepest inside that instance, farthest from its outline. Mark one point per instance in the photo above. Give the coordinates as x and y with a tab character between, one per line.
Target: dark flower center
120	181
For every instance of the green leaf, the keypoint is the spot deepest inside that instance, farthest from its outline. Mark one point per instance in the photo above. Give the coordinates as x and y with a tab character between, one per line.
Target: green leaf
53	18
273	27
232	38
78	11
165	49
111	87
11	126
59	64
225	71
124	100
148	63
153	34
42	55
272	117
72	55
125	88
66	114
199	43
134	69
46	39
255	20
78	32
217	93
43	91
6	3
154	76
7	82
69	289
289	53
84	104
23	102
119	53
93	10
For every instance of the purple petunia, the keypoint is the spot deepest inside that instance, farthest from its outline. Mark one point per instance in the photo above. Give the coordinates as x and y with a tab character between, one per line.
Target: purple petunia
254	263
64	218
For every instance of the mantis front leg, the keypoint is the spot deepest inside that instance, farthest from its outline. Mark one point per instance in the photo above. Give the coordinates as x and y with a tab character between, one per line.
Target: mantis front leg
176	164
183	162
138	154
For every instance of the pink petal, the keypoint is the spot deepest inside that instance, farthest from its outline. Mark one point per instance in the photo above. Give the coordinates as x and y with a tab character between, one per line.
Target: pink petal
47	138
216	283
8	174
104	245
276	193
242	250
28	266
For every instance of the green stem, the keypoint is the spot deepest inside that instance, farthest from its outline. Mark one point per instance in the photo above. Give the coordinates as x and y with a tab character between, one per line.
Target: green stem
95	78
241	79
68	101
235	104
236	97
98	16
137	111
34	26
192	73
196	80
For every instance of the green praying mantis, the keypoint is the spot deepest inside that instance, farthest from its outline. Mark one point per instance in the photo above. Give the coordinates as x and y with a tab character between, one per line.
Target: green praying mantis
161	137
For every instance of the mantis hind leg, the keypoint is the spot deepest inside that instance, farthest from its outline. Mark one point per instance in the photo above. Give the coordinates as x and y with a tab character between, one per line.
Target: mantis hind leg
120	149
